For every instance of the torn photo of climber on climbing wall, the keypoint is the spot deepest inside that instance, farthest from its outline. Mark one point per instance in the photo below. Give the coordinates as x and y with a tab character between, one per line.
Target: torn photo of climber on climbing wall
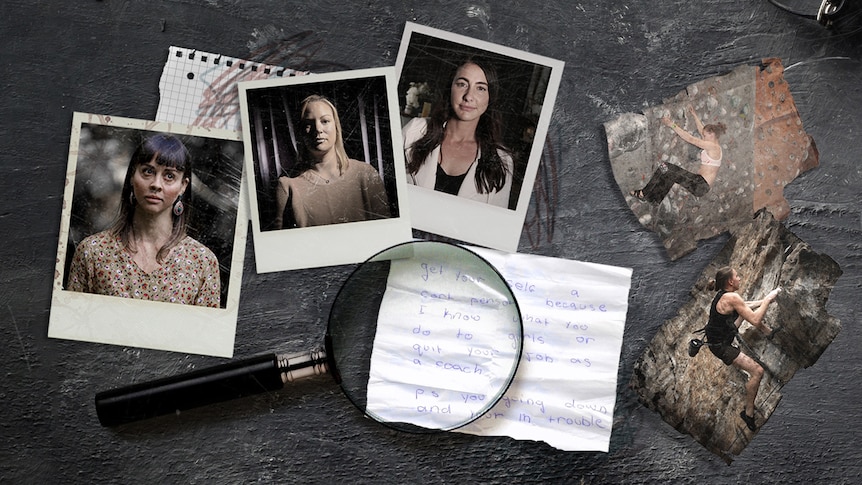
707	159
724	394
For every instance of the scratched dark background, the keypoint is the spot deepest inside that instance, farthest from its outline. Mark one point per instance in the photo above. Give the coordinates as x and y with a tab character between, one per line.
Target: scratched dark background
106	57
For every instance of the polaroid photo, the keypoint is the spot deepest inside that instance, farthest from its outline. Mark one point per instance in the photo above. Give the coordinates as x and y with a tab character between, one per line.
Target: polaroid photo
327	184
152	236
474	116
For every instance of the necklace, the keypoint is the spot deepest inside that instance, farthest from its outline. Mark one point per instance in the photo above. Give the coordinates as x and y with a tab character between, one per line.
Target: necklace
322	168
316	174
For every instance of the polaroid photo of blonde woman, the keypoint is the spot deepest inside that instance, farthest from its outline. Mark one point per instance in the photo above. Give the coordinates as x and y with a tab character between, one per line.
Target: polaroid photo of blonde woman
327	184
474	118
152	236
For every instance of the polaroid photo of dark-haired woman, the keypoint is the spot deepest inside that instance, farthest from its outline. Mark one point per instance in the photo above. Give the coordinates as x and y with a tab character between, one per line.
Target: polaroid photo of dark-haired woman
474	118
327	184
151	242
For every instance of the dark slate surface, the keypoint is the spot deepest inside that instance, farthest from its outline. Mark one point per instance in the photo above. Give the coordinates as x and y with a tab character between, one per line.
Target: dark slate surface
106	57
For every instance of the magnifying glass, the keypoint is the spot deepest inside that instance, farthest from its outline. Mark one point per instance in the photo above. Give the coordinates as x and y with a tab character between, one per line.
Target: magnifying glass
423	336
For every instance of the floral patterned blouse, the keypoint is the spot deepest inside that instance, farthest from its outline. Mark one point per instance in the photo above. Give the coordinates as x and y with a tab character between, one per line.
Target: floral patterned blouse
189	275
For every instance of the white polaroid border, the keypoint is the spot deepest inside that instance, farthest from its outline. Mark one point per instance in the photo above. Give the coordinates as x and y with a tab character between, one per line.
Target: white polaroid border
140	323
471	221
334	244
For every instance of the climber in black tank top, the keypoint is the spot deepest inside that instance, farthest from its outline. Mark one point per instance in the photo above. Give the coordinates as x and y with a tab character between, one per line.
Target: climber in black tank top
720	332
726	313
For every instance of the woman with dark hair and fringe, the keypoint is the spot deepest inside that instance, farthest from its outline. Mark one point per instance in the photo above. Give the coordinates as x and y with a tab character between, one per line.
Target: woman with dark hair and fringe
458	150
147	254
668	174
726	313
330	187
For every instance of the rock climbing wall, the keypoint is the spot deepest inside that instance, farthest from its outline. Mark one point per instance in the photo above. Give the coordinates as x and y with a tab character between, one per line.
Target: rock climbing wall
782	148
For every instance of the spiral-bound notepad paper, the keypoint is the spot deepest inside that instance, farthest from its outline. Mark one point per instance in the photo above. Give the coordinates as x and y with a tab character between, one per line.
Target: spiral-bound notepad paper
200	88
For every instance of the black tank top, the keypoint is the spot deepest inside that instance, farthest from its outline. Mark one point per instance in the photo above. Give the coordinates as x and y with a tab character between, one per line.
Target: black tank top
721	328
450	184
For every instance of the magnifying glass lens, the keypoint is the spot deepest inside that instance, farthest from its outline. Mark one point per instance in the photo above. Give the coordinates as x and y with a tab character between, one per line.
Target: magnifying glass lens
425	336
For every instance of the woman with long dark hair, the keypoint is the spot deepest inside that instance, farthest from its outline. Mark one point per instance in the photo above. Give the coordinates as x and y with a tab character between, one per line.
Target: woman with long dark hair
329	187
726	313
459	149
147	254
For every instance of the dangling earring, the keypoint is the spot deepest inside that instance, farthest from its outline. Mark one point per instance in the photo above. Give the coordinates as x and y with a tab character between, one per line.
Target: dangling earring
131	198
178	206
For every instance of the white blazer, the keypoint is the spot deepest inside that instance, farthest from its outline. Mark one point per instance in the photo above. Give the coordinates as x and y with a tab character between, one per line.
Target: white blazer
427	174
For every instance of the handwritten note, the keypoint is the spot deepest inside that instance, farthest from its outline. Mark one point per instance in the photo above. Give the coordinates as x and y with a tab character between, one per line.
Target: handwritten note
564	391
447	339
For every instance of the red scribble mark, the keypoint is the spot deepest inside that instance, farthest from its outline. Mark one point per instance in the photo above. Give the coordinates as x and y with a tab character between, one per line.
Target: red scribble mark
294	54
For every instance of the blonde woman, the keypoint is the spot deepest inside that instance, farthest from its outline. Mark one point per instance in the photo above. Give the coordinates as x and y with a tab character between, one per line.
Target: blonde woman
330	188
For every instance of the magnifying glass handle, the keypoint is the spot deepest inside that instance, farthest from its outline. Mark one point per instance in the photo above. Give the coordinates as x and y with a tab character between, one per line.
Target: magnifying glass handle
255	375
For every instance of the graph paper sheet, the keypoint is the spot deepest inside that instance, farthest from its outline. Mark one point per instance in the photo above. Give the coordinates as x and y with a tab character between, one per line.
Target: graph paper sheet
200	88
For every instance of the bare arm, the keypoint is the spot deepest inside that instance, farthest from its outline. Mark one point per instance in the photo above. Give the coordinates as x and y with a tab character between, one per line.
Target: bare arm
686	136
697	121
755	317
754	304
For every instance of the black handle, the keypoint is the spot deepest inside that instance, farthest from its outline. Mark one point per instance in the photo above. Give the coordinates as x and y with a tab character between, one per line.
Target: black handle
186	391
